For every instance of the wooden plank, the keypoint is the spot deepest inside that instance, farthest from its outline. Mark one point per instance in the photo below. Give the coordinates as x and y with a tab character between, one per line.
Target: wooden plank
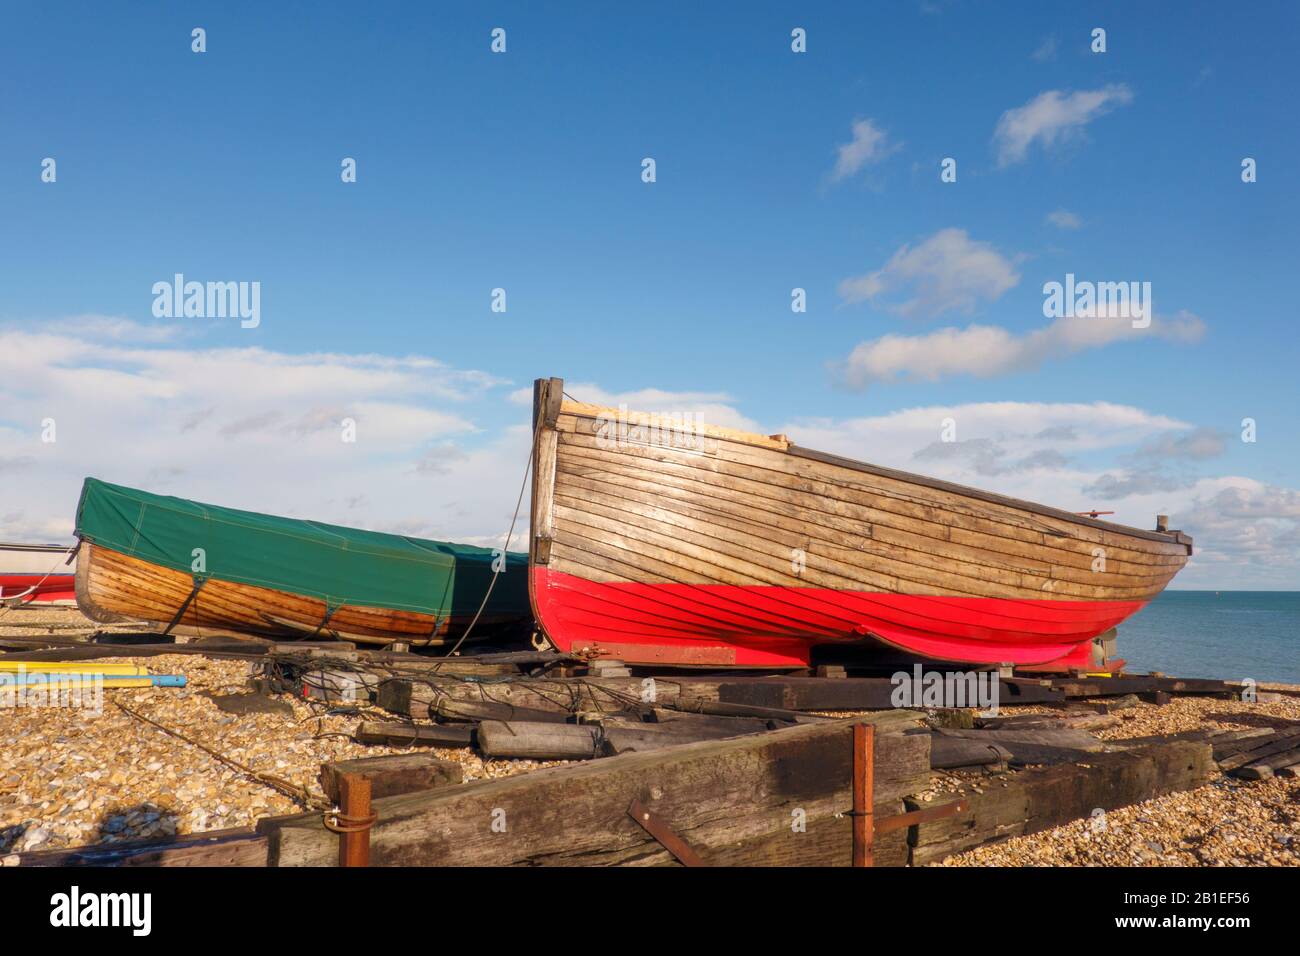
1265	767
1139	684
1039	799
236	847
393	774
1268	747
734	801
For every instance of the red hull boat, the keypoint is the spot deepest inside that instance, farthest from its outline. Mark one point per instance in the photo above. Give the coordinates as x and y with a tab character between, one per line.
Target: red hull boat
35	574
679	543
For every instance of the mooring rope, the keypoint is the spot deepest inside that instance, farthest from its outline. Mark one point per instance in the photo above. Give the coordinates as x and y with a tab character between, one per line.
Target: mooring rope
496	572
292	790
15	600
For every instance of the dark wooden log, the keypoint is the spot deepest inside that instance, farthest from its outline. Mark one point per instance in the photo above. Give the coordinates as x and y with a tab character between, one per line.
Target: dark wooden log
534	740
482	710
1039	799
777	798
394	774
415	735
720	709
522	699
1033	747
1069	721
949	752
1045	737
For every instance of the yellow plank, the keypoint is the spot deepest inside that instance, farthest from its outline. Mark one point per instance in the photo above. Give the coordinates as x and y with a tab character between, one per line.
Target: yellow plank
71	667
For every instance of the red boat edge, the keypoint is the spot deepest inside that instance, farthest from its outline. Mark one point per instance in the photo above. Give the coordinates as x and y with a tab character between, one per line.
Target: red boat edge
38	588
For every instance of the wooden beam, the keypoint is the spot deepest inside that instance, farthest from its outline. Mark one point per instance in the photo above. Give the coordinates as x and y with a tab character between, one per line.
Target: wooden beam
779	798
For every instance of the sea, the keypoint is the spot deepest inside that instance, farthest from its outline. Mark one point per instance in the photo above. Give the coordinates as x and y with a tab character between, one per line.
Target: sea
1229	635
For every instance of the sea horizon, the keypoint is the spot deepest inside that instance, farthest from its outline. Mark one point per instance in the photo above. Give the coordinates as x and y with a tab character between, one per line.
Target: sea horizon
1218	634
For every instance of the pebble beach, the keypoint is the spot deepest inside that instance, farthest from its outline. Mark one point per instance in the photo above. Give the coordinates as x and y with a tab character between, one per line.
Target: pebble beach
70	778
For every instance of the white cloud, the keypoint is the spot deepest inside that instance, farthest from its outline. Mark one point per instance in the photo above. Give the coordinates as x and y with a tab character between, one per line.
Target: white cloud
986	351
870	144
250	428
1052	116
1045	50
945	271
1064	219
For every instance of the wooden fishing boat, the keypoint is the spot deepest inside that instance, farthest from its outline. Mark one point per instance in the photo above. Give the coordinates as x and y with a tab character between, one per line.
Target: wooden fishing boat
35	574
671	542
196	569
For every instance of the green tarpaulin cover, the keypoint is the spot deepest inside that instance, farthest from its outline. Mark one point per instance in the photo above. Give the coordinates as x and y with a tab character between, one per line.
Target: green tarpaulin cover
335	564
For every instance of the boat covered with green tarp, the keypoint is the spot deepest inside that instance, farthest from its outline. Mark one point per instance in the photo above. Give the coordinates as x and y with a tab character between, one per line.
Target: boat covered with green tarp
185	564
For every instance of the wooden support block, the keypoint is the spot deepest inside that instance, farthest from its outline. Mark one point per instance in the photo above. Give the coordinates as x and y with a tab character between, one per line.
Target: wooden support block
398	773
1158	697
734	800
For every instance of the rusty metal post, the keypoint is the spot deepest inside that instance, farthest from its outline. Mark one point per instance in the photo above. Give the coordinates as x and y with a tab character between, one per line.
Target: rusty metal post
864	772
354	820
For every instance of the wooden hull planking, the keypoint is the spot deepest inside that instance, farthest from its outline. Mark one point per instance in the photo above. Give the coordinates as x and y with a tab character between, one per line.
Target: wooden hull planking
114	587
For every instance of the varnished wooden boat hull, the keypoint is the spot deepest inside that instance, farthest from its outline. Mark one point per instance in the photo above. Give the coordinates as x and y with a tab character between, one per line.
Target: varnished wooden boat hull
716	547
114	587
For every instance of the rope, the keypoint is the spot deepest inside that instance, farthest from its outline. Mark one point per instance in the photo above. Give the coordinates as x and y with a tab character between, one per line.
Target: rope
340	822
496	572
291	790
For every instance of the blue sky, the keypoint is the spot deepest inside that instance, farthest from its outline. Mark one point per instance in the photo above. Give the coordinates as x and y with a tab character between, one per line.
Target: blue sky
522	171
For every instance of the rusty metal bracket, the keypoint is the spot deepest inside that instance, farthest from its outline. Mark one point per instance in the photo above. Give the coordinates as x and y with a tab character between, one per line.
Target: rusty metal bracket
864	783
903	820
664	834
866	827
353	820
